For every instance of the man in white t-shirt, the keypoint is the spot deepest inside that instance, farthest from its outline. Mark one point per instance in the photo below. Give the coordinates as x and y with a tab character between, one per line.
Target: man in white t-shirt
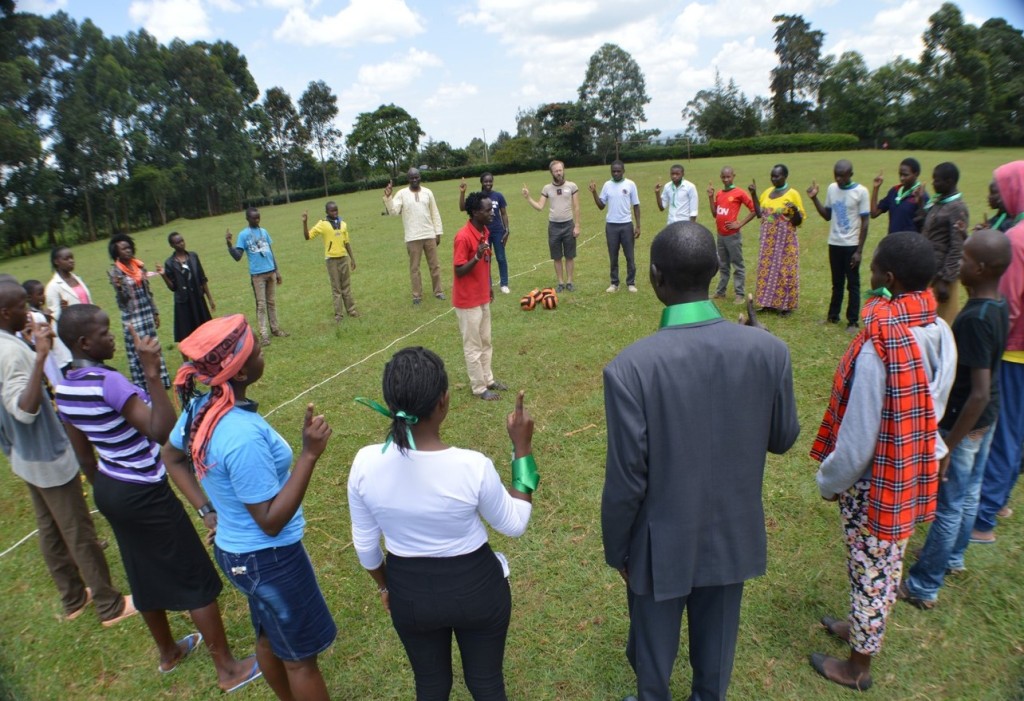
620	196
679	197
848	209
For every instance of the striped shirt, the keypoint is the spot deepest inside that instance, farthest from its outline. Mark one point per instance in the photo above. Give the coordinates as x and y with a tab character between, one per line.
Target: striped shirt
91	399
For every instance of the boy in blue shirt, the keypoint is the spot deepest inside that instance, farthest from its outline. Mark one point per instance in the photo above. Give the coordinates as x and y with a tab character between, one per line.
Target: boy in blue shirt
255	242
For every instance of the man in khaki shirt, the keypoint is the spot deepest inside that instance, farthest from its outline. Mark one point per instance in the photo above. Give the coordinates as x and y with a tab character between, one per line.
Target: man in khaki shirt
563	221
422	222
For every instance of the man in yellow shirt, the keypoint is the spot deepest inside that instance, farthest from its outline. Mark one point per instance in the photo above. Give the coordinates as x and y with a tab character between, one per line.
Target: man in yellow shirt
338	255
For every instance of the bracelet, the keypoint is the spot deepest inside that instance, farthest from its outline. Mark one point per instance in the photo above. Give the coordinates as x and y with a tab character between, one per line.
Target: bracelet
205	510
524	474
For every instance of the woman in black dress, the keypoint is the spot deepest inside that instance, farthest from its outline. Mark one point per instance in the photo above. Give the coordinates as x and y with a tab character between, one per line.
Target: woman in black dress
184	276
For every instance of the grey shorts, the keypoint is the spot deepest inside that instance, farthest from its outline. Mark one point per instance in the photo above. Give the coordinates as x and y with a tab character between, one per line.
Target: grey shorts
561	242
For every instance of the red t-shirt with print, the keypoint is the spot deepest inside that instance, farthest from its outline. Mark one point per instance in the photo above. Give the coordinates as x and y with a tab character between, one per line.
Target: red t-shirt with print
474	288
727	207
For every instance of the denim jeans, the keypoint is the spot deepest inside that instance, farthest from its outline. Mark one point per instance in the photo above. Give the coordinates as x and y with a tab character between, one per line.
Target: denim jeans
954	517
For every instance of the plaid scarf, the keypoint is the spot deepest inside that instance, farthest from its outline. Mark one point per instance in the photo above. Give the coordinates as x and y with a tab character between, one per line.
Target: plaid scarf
904	473
219	349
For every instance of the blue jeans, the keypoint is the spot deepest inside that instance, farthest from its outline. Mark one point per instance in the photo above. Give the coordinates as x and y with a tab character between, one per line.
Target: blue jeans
1004	460
498	249
954	517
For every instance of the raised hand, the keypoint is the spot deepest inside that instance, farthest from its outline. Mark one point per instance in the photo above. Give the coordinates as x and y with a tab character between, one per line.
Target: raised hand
812	191
227	236
752	188
462	185
148	350
520	427
657	188
711	189
315	433
525	191
749	318
388	189
592	187
878	180
305	217
42	337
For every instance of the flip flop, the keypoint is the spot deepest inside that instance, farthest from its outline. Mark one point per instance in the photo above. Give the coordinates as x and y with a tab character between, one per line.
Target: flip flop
191	643
254	674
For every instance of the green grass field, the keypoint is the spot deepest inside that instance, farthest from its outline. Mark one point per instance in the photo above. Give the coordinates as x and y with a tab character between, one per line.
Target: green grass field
569	619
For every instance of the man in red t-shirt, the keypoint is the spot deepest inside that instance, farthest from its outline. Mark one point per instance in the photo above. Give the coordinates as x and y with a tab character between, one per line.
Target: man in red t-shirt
726	207
472	296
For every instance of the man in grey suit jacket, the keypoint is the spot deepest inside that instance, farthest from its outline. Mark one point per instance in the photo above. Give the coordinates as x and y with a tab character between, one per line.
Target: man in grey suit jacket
691	411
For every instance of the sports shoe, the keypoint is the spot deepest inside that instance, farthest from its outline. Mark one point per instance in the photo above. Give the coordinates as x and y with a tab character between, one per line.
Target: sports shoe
264	342
415	301
739	300
354	315
505	290
280	333
718	295
612	288
129	610
852	328
440	295
631	288
560	287
569	287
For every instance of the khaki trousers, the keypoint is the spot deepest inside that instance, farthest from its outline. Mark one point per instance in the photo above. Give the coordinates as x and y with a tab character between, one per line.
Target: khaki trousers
475	326
416	250
264	287
67	539
339	272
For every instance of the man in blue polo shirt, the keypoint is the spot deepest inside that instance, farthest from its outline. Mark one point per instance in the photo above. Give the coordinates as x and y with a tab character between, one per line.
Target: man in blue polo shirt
620	196
256	243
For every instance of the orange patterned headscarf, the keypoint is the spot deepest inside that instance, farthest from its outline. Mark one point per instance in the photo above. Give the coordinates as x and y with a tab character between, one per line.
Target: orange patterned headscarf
218	350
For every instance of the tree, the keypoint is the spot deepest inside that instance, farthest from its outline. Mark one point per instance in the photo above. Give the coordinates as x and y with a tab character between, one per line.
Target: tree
281	131
614	94
796	79
1004	47
527	123
515	150
440	154
564	130
722	112
850	111
318	107
385	138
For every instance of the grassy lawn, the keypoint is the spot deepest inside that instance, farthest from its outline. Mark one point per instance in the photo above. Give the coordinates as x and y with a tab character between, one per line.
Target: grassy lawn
569	620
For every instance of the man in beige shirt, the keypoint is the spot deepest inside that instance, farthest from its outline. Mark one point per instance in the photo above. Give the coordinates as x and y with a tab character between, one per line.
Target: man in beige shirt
563	221
422	223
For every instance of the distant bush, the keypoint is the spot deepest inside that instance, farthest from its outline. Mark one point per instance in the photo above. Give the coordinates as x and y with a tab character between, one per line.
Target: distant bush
773	143
949	140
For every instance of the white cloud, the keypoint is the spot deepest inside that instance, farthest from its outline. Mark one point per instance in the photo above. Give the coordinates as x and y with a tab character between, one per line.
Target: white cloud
398	72
893	32
450	93
225	5
167	19
41	7
362	21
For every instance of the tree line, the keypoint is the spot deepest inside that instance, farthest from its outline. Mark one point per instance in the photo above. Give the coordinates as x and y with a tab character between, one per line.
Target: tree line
102	134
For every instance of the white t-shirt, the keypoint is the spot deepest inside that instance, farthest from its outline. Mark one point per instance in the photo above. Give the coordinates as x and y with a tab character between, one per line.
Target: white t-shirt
847	208
619	198
427	503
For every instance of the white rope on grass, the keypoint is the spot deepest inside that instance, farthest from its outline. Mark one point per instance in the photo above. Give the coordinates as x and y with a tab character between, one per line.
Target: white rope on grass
22	541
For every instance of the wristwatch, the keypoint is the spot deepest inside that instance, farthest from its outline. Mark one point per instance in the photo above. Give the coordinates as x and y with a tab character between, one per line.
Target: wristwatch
205	510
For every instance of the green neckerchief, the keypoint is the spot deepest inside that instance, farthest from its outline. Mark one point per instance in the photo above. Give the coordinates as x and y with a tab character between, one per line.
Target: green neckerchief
407	419
879	292
936	199
848	186
999	221
780	190
689	313
904	191
727	188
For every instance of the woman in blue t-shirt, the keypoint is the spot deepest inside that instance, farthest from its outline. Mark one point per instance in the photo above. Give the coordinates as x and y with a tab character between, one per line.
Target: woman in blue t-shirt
255	502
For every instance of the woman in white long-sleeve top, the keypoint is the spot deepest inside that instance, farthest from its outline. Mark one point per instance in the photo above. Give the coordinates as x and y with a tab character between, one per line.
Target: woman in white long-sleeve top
429	500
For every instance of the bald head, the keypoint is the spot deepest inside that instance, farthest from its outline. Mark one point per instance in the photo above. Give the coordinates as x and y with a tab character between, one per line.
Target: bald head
991	248
13	310
685	257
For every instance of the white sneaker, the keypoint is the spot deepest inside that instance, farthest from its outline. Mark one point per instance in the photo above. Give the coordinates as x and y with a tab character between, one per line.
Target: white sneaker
632	288
504	289
612	288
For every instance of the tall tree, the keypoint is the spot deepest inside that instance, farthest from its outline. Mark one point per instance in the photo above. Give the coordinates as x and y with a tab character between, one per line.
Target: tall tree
845	110
318	107
796	79
385	138
440	154
284	132
614	93
722	112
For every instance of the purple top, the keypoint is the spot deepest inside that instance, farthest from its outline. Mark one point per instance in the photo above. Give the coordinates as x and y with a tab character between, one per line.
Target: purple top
91	400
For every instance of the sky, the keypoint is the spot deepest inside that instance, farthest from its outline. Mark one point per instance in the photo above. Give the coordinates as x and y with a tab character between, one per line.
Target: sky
464	68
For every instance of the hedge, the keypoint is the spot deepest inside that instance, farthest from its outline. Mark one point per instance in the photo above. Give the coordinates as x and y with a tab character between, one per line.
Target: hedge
950	140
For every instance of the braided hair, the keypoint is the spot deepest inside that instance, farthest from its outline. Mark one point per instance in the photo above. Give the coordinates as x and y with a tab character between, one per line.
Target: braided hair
414	382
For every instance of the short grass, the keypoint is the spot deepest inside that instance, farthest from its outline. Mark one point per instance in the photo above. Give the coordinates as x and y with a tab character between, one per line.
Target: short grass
569	621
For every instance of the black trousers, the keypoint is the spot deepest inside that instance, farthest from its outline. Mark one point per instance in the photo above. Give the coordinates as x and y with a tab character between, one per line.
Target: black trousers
621	235
839	258
468	595
712	621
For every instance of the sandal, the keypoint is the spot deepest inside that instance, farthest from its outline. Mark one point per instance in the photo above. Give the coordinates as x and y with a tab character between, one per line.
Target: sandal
191	643
489	395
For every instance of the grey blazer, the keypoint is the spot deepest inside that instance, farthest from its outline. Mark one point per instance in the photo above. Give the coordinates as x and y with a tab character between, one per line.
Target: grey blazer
691	412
